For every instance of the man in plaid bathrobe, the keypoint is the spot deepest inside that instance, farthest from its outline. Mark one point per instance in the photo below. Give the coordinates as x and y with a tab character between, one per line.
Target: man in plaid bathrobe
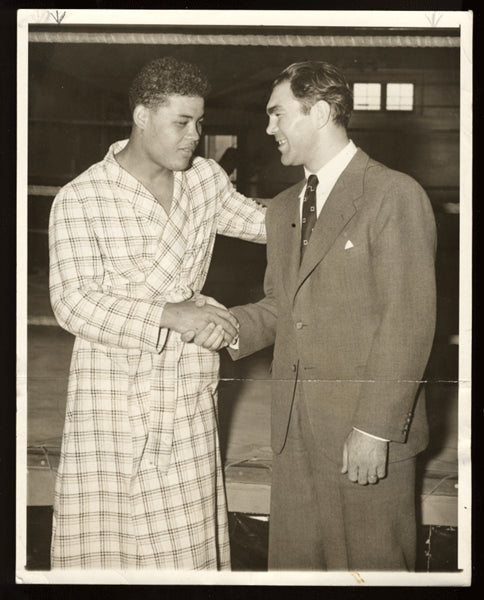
140	480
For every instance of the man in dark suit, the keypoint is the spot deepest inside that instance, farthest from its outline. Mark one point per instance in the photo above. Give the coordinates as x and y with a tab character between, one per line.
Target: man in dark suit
350	303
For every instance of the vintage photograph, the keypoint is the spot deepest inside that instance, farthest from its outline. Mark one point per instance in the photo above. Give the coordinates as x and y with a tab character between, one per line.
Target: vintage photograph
244	241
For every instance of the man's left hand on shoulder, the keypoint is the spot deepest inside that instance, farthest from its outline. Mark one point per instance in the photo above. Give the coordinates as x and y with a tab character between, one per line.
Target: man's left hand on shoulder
364	458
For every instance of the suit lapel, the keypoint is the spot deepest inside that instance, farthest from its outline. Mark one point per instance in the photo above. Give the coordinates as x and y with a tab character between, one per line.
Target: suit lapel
338	209
288	234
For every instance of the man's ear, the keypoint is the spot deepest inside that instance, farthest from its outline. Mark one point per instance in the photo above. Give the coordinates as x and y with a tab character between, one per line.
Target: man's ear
322	113
140	116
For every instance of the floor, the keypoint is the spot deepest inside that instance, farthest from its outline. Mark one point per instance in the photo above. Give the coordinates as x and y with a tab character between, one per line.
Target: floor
437	546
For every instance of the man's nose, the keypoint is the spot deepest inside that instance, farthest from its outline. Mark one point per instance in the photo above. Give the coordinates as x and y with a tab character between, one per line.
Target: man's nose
195	132
271	127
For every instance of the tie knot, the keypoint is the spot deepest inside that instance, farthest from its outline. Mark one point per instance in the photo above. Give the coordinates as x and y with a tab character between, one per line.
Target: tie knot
312	182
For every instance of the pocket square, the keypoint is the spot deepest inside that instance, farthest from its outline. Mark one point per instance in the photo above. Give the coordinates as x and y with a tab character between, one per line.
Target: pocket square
349	244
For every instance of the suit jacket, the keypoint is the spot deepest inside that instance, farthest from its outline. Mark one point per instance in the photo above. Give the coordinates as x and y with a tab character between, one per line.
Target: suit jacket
354	322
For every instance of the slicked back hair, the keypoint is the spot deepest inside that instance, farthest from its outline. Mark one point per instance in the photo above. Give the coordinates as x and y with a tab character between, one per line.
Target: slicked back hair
311	81
164	77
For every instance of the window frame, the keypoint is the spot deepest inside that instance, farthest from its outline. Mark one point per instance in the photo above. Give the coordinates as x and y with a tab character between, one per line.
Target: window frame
384	81
399	110
368	110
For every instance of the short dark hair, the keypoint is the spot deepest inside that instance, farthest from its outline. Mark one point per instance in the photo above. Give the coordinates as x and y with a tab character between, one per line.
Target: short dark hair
167	76
314	80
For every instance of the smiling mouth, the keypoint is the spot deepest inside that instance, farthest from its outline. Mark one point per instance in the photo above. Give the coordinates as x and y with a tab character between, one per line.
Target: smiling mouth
281	143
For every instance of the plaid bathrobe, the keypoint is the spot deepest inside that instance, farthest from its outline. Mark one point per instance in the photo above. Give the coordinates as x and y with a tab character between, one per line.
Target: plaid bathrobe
140	480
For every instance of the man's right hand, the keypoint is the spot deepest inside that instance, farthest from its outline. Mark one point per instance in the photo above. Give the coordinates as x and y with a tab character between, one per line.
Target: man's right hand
213	337
194	317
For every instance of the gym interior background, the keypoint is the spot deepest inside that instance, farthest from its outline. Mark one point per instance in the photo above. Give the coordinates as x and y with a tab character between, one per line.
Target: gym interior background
407	90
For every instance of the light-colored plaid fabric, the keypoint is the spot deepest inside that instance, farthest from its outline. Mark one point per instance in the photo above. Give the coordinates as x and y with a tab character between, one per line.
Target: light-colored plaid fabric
140	480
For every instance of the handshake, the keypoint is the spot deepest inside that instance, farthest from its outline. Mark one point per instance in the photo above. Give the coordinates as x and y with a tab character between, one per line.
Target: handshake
203	321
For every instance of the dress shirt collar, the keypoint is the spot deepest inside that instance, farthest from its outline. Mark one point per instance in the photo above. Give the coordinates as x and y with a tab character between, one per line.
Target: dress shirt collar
329	173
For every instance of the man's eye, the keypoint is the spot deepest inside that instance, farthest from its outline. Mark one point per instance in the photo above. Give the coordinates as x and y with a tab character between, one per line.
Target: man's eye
182	123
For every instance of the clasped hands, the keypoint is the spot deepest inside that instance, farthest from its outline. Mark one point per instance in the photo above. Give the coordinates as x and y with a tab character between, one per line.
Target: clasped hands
203	321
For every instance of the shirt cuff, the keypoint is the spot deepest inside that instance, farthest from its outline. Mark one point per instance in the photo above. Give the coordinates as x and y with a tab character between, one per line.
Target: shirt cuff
370	435
235	344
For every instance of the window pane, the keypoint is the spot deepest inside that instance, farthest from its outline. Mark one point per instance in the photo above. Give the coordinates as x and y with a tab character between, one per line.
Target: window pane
366	96
399	96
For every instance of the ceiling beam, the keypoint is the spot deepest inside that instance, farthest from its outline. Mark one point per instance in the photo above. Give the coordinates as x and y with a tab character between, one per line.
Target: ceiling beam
230	39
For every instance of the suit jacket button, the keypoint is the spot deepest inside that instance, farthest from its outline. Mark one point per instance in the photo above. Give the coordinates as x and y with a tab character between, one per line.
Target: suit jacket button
299	325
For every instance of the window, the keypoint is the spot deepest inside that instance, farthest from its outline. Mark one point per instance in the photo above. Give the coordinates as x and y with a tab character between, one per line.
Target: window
367	96
399	96
383	96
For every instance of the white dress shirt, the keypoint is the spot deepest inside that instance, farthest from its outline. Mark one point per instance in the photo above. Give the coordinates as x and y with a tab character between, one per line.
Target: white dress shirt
328	175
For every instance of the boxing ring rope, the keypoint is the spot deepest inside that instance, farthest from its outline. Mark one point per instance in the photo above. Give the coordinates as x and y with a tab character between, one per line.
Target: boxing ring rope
290	40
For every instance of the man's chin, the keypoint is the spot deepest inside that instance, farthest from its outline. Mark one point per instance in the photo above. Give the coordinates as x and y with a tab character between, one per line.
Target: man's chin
183	165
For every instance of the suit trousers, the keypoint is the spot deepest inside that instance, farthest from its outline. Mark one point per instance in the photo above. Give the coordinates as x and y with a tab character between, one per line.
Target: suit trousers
320	520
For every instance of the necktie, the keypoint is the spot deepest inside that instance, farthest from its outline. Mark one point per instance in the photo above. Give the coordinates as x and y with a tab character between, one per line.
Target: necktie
309	214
